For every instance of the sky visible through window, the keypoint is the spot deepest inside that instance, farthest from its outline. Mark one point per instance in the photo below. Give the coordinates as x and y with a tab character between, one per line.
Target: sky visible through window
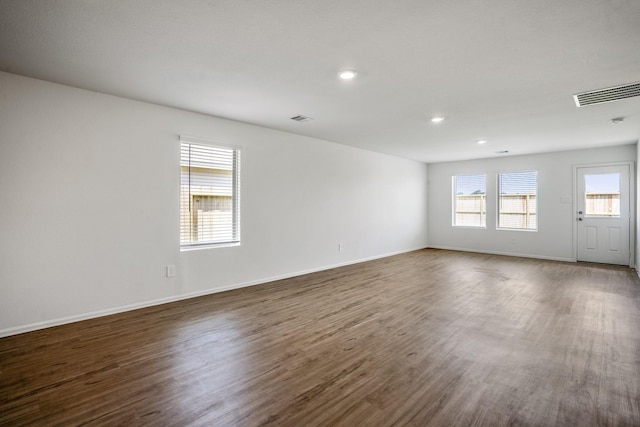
602	183
518	182
471	184
512	183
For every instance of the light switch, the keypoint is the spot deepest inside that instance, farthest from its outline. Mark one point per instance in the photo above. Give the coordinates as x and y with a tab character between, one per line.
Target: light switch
171	270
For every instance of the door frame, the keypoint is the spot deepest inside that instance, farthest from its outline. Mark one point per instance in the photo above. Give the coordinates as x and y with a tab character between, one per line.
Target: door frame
632	207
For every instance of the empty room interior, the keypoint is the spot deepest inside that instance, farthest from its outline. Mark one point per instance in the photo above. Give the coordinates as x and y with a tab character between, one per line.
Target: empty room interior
371	213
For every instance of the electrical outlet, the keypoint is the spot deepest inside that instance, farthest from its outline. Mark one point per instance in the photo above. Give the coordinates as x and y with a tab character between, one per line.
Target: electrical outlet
171	270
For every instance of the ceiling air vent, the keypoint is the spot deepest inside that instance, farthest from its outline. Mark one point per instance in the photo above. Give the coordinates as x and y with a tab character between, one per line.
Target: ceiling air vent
610	94
301	118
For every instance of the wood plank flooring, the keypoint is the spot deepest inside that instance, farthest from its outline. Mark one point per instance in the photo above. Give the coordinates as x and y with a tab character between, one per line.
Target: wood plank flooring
428	338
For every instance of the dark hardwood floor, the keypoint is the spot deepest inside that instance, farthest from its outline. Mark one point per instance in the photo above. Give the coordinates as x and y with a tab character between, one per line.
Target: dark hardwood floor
428	338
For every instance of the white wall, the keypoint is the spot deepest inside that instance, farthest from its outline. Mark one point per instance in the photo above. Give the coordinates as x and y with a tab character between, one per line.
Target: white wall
554	238
89	219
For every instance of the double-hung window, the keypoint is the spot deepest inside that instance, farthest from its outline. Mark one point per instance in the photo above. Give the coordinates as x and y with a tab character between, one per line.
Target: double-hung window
209	194
469	200
517	200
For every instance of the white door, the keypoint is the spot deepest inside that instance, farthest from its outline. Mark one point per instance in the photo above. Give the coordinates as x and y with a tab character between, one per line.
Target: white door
603	214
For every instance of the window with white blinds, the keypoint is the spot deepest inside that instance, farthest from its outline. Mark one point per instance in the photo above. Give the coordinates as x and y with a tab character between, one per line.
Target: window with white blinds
209	194
470	200
518	200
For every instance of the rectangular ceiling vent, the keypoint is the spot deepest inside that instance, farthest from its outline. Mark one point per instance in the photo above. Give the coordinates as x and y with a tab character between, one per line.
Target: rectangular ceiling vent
610	94
301	118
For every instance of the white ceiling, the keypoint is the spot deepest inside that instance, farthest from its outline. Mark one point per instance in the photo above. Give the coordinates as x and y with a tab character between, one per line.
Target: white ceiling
501	70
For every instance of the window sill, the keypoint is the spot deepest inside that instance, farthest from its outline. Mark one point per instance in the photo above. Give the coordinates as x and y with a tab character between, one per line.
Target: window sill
208	246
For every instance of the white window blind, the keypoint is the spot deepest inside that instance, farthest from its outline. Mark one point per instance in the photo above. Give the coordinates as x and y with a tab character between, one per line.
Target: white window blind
469	201
518	200
209	194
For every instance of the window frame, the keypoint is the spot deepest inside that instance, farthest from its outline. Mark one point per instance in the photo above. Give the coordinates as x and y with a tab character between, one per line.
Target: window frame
483	215
499	197
235	239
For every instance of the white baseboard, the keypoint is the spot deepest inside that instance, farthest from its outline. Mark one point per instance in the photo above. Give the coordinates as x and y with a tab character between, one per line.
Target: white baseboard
550	258
107	312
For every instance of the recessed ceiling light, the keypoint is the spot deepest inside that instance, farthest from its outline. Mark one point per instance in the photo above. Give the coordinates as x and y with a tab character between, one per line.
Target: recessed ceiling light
437	119
347	74
481	141
617	120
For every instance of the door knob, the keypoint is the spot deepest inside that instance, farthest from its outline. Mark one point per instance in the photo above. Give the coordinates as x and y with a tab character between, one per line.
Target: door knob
580	212
579	219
